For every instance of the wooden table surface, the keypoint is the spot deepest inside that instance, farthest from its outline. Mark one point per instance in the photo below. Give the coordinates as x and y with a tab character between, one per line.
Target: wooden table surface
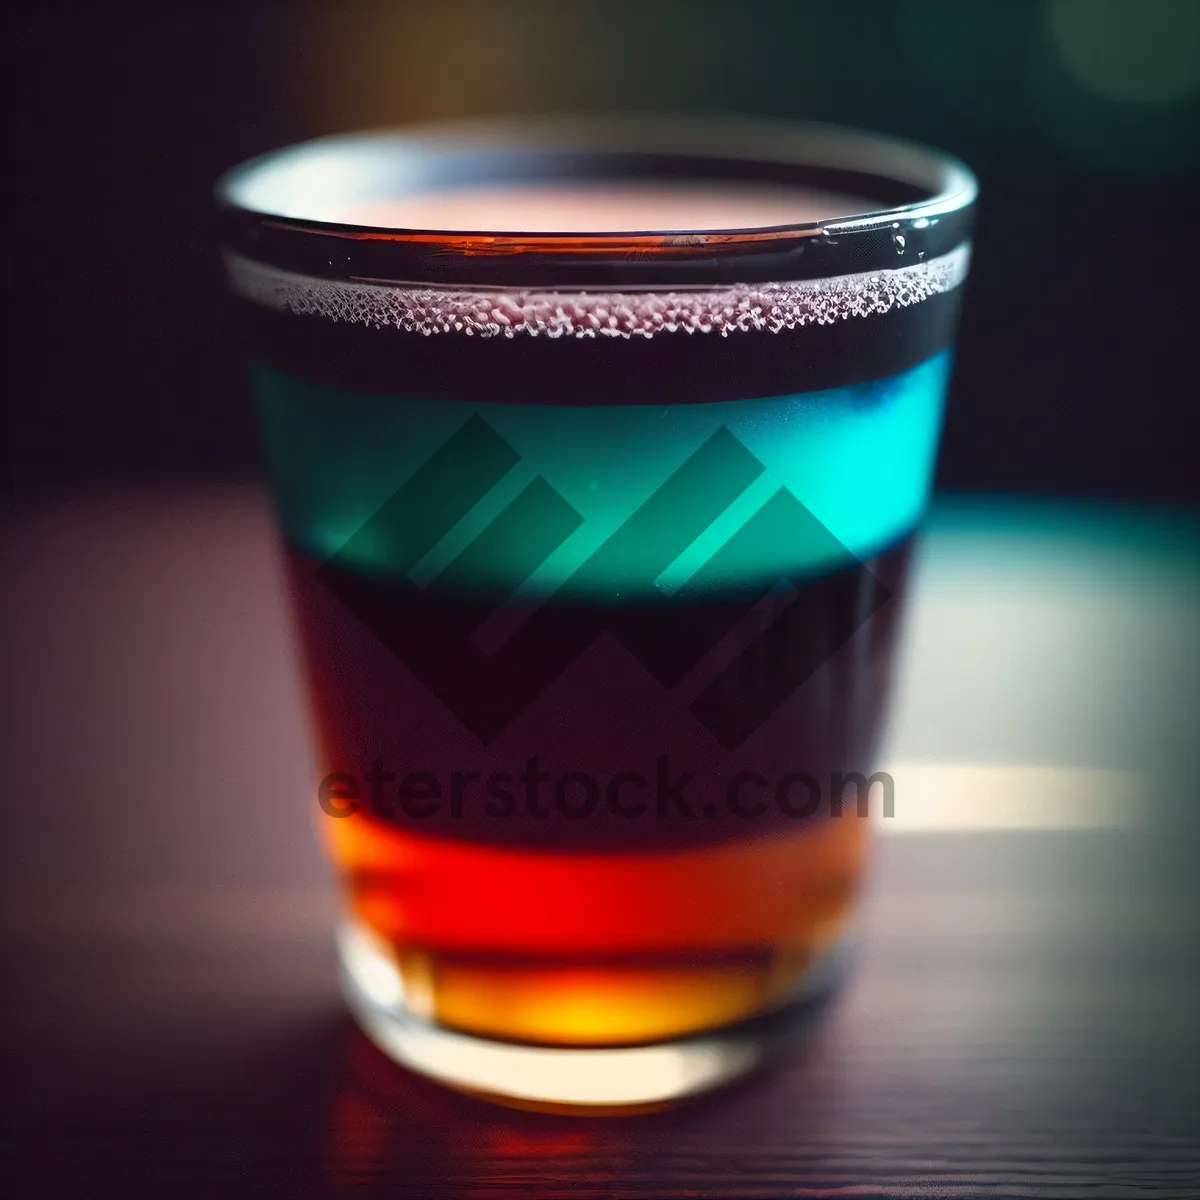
1020	1019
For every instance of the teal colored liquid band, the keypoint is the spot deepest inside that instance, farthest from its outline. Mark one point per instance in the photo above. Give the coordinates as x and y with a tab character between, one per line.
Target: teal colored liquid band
858	458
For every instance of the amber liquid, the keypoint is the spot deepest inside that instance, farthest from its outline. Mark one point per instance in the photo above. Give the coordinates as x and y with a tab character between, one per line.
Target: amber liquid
604	931
598	944
599	949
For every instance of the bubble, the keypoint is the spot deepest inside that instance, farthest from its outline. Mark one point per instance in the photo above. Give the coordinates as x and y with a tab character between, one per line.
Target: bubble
741	307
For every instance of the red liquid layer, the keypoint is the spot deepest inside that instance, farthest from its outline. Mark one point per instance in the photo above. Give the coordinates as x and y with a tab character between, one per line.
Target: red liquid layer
597	931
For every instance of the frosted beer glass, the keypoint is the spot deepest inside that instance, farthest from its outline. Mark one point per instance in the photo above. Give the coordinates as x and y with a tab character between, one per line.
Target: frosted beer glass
597	452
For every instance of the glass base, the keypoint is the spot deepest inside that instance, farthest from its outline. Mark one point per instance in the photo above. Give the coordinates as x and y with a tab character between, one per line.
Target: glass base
618	1078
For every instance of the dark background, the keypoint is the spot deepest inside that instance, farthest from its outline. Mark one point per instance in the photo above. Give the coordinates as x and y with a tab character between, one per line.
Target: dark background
168	1014
1081	118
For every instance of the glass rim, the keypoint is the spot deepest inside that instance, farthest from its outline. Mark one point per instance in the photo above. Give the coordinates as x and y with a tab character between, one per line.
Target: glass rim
281	207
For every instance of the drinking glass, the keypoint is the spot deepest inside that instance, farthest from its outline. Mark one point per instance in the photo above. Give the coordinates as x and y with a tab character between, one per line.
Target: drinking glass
596	527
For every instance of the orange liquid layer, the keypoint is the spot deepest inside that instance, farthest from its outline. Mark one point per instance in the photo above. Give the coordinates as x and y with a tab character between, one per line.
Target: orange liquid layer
573	949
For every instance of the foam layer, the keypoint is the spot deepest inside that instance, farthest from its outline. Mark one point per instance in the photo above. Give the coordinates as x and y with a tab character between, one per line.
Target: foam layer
770	307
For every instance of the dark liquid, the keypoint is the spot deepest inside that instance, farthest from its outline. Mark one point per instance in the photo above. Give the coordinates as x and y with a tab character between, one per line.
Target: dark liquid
512	912
597	541
486	741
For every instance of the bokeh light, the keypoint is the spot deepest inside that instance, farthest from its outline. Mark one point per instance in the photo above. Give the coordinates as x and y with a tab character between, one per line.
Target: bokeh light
1145	53
1116	83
